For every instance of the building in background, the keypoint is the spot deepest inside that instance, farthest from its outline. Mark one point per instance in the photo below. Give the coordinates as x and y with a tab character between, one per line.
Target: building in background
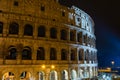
43	40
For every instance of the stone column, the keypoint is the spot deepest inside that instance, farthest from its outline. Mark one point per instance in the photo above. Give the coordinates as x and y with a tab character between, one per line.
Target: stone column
35	31
1	76
78	55
81	73
83	40
19	54
58	34
17	77
21	30
34	54
76	58
95	57
47	32
5	29
47	72
90	72
69	52
81	37
93	68
75	35
33	75
96	71
86	40
58	53
59	75
68	35
47	54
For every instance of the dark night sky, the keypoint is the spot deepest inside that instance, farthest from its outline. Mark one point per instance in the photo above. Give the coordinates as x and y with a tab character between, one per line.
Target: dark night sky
106	15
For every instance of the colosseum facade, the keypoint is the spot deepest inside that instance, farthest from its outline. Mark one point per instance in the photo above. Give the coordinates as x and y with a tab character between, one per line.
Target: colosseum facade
44	40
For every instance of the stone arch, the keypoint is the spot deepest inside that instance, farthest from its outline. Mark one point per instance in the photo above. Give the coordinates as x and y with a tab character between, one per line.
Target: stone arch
53	33
41	75
1	27
26	53
41	31
13	28
89	40
80	56
63	35
12	53
28	30
73	75
53	75
26	75
64	75
8	70
85	38
87	26
90	72
53	54
92	56
86	72
63	54
81	75
95	56
8	76
72	36
40	53
79	37
87	55
72	54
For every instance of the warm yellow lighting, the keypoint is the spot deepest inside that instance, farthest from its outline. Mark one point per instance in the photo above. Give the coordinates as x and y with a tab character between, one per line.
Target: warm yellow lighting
109	68
43	66
52	66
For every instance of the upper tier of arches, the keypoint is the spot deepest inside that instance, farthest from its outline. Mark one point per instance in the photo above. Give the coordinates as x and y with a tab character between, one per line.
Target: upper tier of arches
42	31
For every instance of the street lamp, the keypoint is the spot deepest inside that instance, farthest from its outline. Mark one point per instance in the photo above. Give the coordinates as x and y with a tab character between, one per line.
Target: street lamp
52	66
43	66
112	62
47	70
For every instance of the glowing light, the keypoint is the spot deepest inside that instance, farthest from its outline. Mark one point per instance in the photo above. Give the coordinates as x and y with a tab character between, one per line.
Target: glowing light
52	66
112	62
43	66
108	68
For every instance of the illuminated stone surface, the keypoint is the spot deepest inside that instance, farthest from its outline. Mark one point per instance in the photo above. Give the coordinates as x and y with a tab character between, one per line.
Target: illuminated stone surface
43	40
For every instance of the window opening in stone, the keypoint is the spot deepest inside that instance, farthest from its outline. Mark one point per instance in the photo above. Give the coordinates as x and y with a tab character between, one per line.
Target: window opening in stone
63	54
26	53
41	31
28	30
13	28
25	76
63	13
40	53
53	33
41	76
12	53
72	36
53	75
16	3
8	76
80	56
1	27
63	35
53	54
72	55
64	75
42	8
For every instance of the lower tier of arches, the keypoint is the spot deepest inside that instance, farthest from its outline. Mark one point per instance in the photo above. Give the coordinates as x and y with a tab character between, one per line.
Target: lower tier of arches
47	72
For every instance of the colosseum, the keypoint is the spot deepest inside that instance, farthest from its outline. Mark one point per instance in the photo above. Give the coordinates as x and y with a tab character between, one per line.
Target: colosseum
44	40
